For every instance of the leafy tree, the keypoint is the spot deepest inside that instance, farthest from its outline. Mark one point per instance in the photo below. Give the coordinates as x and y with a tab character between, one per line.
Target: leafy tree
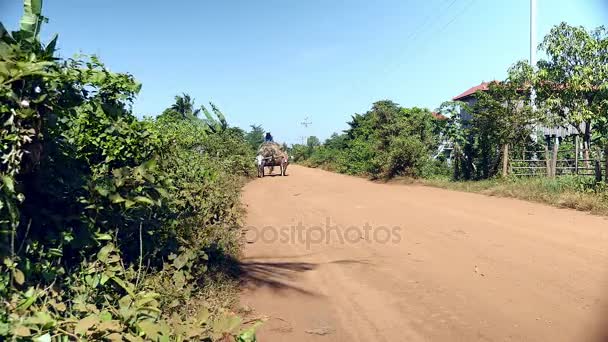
386	141
573	80
336	141
255	137
312	142
502	116
455	135
299	152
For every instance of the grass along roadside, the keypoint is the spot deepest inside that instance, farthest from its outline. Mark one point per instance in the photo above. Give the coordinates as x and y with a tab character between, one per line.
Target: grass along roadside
573	192
580	193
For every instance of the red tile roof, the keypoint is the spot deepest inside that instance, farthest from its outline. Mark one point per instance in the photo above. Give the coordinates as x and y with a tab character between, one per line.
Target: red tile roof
483	87
438	116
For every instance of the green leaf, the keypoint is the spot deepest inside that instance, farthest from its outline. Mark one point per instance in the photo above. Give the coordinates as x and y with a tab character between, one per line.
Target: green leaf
8	182
104	252
129	203
146	200
42	320
31	299
31	19
18	276
103	237
116	198
55	252
92	280
102	191
104	278
105	316
3	31
44	338
50	47
179	279
181	260
124	285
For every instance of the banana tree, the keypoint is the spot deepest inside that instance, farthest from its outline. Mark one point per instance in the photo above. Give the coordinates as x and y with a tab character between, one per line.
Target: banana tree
215	125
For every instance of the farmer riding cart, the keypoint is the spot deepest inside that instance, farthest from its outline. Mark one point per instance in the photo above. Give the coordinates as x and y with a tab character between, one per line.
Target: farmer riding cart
270	154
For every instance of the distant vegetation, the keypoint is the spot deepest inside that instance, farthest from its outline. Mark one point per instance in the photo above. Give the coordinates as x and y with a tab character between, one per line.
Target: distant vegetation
571	89
385	142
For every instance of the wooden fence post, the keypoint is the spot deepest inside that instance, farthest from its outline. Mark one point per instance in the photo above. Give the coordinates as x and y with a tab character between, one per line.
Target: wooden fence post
547	159
576	152
606	162
598	170
554	160
505	160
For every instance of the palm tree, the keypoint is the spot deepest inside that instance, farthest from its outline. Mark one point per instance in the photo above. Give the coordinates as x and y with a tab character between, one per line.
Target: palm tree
184	106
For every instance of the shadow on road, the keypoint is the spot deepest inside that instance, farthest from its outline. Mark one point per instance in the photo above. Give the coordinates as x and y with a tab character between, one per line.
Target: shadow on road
279	275
273	275
259	272
275	175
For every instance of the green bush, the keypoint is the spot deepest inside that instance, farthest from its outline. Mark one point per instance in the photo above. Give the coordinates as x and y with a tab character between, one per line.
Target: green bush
99	211
406	157
385	142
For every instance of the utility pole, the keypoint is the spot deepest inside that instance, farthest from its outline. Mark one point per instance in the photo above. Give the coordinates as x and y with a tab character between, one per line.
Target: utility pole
305	123
533	47
533	33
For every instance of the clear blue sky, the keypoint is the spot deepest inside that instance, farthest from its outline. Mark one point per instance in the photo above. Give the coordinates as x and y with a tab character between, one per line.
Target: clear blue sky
275	62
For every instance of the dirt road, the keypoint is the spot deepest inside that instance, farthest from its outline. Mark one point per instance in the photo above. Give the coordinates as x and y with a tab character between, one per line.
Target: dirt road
338	258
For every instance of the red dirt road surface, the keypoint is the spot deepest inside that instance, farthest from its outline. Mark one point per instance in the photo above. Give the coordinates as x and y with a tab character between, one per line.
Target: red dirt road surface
338	258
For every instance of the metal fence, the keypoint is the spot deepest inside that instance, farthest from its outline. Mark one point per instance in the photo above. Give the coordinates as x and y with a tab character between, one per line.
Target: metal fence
565	162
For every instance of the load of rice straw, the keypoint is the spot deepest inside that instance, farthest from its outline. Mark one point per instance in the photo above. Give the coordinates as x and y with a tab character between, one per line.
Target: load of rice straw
271	149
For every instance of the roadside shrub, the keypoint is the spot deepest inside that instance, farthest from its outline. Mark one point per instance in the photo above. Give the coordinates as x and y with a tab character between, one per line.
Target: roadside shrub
99	210
406	157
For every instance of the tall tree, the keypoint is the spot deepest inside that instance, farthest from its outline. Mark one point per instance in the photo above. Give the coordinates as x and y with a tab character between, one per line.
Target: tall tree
503	116
184	106
573	80
312	141
255	137
454	133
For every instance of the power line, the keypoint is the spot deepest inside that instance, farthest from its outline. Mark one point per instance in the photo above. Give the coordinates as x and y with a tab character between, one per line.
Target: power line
464	9
414	33
421	32
447	24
